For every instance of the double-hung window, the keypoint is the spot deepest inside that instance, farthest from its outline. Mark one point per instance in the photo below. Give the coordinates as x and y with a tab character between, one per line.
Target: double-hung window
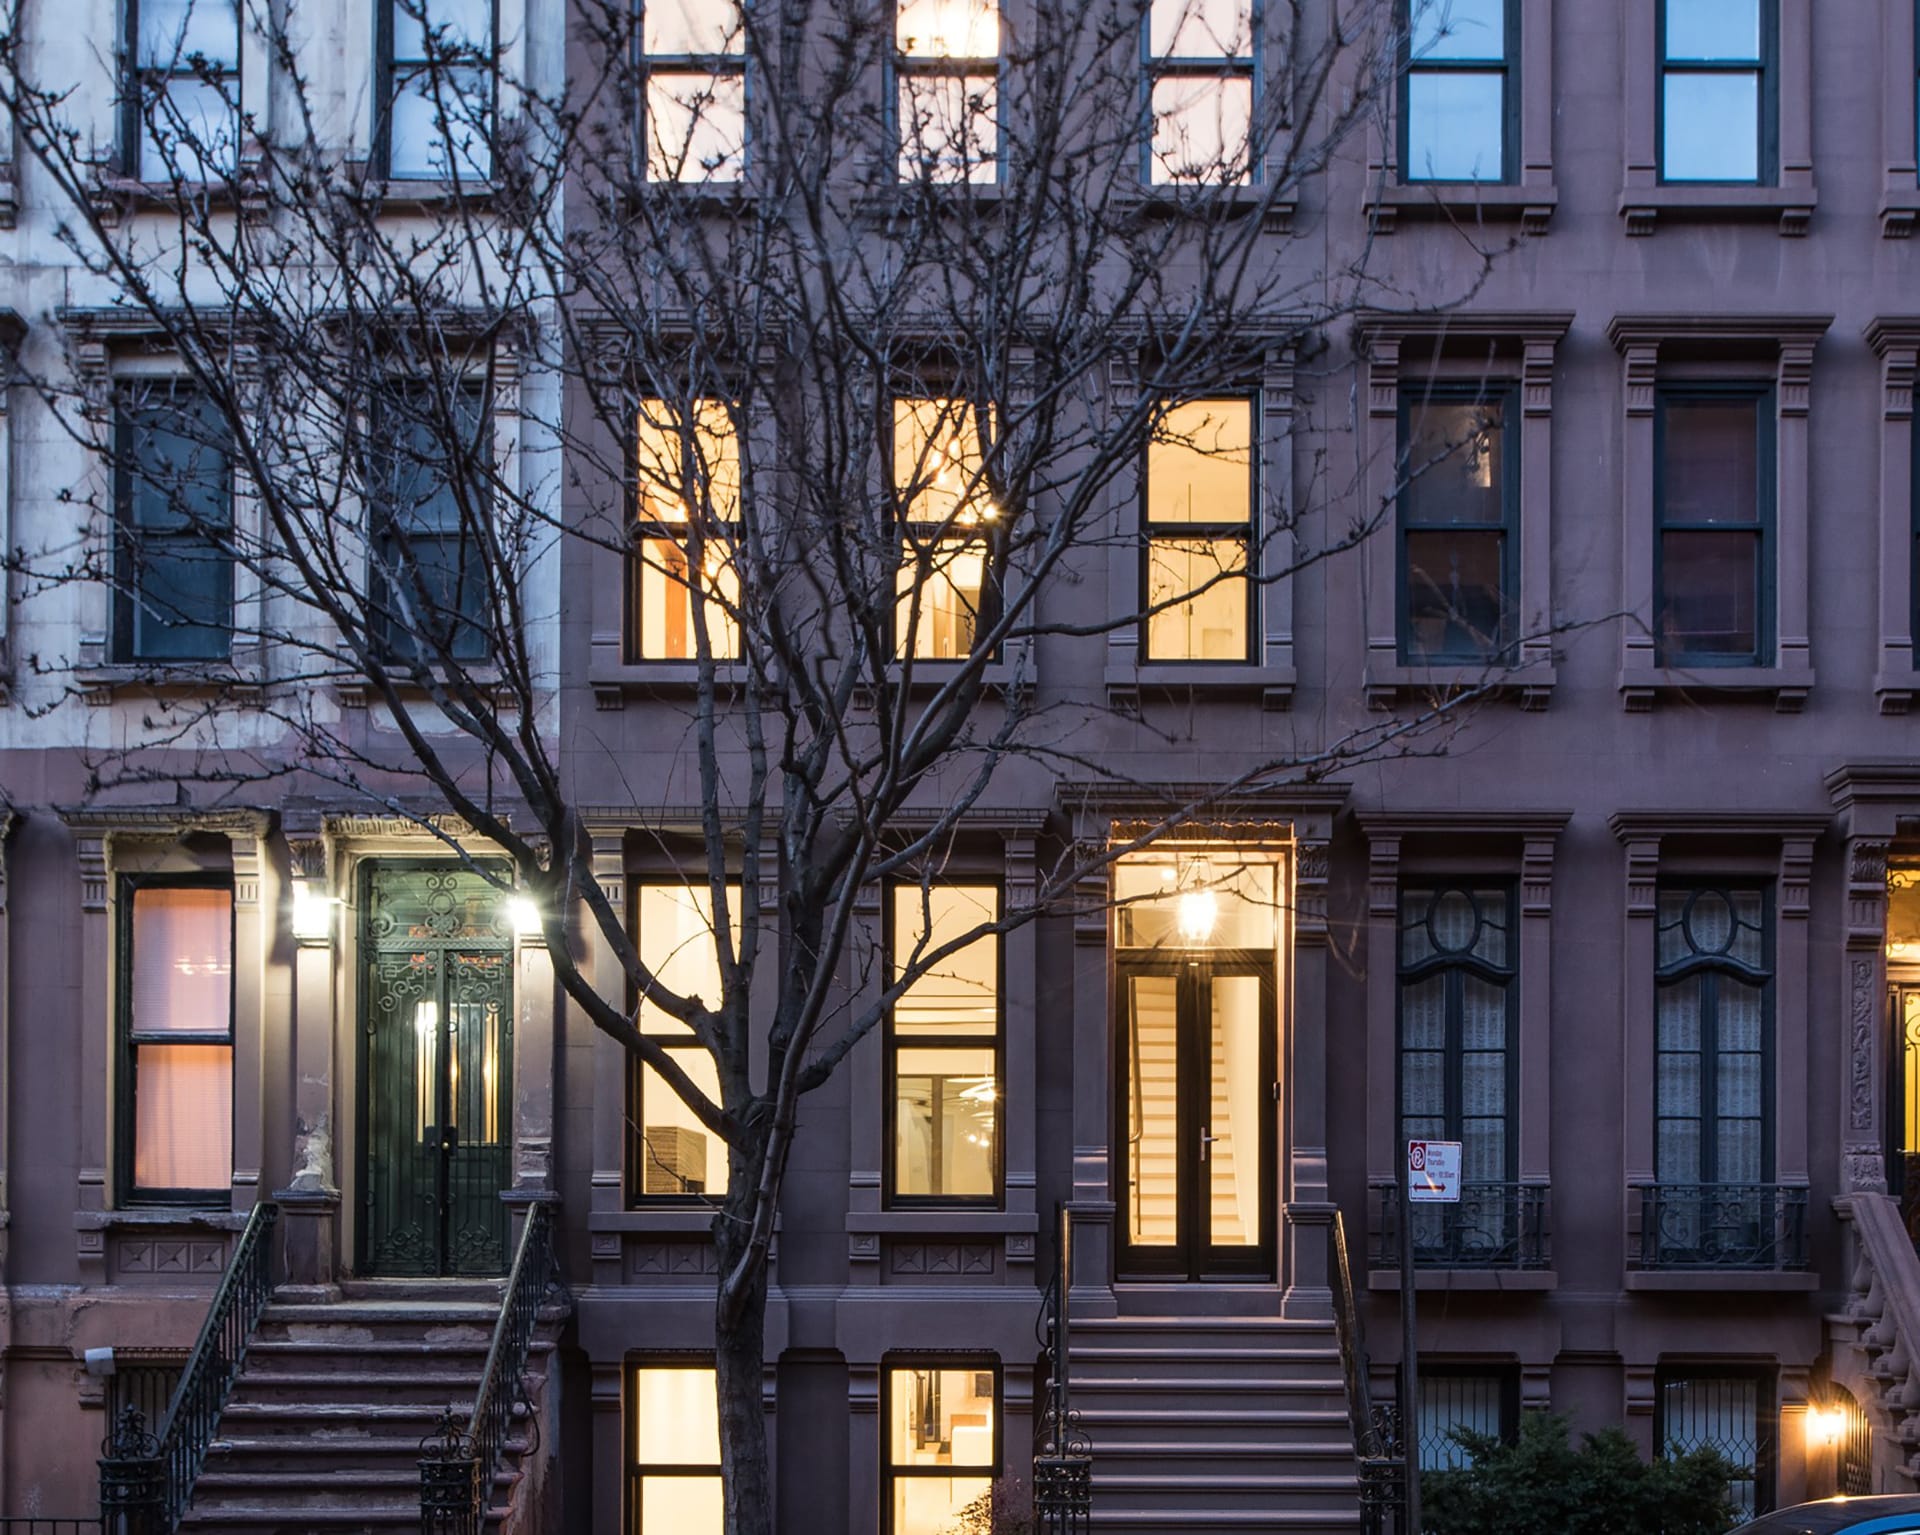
173	525
1725	1408
1202	82
1459	102
175	1004
181	100
694	64
673	1448
1200	496
686	529
438	87
944	508
671	1154
947	90
1718	90
940	1427
1714	505
1459	507
944	1046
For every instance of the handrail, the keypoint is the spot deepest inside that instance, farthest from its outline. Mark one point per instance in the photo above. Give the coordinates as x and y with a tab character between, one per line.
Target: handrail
214	1365
1062	1457
1376	1448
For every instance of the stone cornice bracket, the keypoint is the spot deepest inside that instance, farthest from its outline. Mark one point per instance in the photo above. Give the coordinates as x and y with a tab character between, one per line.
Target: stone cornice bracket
1867	893
1536	875
1090	897
1796	875
1536	377
1383	376
1383	875
1311	868
1023	875
1795	375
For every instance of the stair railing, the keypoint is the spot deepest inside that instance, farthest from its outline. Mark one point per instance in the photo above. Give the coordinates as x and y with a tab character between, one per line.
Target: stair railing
459	1460
1062	1458
1377	1450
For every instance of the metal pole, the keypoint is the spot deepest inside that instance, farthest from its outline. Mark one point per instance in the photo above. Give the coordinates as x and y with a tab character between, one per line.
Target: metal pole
1409	1365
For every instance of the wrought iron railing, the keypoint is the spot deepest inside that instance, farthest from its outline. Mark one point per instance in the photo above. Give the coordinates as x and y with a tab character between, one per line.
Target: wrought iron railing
461	1458
25	1524
1722	1226
1494	1226
1376	1430
1062	1457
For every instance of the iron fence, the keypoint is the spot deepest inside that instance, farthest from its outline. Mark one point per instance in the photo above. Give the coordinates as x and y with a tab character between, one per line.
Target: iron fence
1494	1226
1722	1226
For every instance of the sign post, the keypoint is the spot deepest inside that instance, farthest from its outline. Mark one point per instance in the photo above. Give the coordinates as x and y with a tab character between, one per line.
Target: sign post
1433	1177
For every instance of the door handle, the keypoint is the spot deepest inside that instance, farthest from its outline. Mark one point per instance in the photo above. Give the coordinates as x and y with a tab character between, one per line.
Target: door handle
1206	1140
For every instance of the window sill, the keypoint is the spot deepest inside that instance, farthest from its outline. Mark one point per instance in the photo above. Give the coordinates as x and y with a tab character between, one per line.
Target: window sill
1791	207
1710	1281
1126	685
116	195
1461	202
358	693
1896	691
662	1220
100	684
1151	200
408	194
1529	683
998	679
959	1221
1537	1281
1786	687
1898	211
145	1217
614	682
691	196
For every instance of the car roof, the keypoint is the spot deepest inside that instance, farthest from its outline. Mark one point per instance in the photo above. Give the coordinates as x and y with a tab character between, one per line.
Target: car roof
1834	1516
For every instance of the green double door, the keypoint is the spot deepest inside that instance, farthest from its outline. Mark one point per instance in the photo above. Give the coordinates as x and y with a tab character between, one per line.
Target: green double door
436	1073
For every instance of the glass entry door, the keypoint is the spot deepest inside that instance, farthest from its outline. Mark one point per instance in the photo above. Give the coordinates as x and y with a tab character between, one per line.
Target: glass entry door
436	1067
1197	1117
1903	1102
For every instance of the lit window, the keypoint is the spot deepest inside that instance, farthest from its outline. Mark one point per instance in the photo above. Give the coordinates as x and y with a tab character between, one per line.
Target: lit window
671	1153
437	60
182	105
1458	507
942	1445
947	72
695	62
687	509
944	506
176	1009
1200	72
1714	502
1457	98
1716	90
673	1450
1200	496
943	1048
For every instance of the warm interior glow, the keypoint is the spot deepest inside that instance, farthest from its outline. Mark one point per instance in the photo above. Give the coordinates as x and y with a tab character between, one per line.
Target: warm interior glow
948	29
312	918
1825	1425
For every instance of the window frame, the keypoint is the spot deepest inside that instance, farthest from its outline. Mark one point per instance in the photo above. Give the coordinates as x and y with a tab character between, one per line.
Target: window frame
976	1360
890	1197
1506	1375
904	529
1208	66
1214	532
386	74
902	67
1765	525
715	65
633	1470
1508	66
1766	1428
640	530
136	78
1766	70
127	1045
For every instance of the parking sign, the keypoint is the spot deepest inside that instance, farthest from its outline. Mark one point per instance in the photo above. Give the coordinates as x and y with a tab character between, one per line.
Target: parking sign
1433	1172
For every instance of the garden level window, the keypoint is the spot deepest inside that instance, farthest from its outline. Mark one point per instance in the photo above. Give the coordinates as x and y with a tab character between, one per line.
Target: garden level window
944	1047
947	90
1459	510
173	525
1714	506
1201	84
175	1001
673	1448
438	86
1727	1409
1459	102
686	528
181	100
1200	484
694	104
1464	1398
940	1422
945	510
1718	104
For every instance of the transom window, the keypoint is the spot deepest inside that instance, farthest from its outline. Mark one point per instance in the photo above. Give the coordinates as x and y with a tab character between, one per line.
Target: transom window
436	58
945	507
1459	101
1201	84
1714	502
686	516
1459	508
1200	495
182	100
1717	90
947	90
940	1427
673	1448
694	56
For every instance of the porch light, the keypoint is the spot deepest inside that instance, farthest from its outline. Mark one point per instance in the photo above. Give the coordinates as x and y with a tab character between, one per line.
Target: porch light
312	915
1198	908
524	915
1825	1426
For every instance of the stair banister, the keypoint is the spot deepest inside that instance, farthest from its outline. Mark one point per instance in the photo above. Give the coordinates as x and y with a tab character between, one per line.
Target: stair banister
1376	1447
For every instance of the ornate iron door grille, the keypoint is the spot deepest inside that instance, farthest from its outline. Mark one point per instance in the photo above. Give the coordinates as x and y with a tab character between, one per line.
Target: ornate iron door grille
436	1072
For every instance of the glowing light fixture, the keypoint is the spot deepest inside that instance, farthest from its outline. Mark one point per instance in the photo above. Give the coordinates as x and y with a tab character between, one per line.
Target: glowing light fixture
1198	908
312	917
1825	1425
524	915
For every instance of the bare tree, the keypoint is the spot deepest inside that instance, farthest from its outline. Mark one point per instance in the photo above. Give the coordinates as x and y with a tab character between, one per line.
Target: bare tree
846	330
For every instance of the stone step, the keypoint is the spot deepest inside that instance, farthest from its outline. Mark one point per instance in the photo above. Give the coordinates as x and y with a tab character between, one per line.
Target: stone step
1115	1363
1312	1457
385	1518
1218	1493
313	1454
1335	1517
434	1383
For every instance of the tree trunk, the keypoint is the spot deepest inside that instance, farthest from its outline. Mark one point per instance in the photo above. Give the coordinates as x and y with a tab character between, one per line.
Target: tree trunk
739	1348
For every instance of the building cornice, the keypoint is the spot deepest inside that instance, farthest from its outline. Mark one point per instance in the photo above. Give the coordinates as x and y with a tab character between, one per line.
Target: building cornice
1631	330
1639	825
1470	823
1465	325
163	820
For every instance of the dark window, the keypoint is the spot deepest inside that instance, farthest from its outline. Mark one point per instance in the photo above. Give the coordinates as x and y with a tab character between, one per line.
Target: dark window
1460	98
432	543
1717	106
939	1443
946	67
1464	1398
143	1379
1726	1409
1200	493
173	561
694	101
437	87
672	1154
1459	466
181	102
174	996
1202	79
673	1447
1714	505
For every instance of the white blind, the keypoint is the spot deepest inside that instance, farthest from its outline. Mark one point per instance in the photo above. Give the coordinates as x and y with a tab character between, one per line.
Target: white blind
182	978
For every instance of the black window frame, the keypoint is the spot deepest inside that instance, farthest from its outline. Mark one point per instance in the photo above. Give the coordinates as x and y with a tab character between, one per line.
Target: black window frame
906	531
1669	1373
1913	537
891	1045
387	72
1766	68
633	1470
127	1044
1764	528
902	66
959	1359
1507	65
716	65
1207	66
1245	531
1418	393
1504	1373
641	530
137	78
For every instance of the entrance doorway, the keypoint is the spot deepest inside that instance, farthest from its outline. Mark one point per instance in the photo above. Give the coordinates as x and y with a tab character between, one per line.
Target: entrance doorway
436	1067
1903	1101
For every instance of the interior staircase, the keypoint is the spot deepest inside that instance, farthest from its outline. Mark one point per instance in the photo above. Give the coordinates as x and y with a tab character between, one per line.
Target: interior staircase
323	1431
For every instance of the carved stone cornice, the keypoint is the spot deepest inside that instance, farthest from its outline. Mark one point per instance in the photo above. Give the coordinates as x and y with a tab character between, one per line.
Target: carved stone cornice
1464	823
1638	825
1469	329
1771	331
1097	808
163	820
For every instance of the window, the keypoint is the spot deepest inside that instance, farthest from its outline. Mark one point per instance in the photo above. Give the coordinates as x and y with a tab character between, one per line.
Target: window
1726	1409
947	76
670	1153
1717	92
176	1032
182	103
941	1441
437	97
1713	501
673	1448
1200	499
944	506
1201	84
173	495
1464	1398
1459	507
432	462
944	1046
694	58
1459	105
686	511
